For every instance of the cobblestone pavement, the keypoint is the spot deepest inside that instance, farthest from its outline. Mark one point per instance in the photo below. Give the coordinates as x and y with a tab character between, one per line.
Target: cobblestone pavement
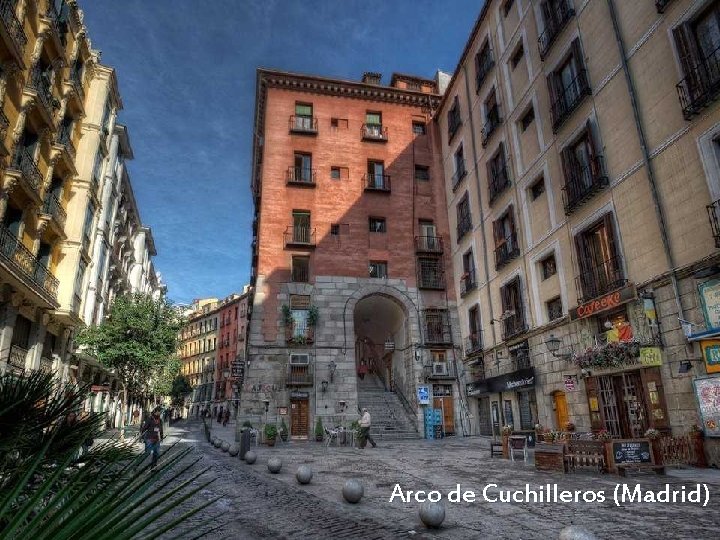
257	504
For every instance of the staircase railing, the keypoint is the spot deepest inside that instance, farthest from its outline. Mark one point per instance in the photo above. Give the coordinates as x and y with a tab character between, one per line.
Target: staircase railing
405	403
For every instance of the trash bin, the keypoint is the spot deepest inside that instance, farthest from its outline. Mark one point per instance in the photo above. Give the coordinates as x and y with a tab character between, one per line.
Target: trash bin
244	442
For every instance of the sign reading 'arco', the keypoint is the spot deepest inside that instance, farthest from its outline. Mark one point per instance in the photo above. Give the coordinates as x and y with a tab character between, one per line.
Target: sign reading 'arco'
604	303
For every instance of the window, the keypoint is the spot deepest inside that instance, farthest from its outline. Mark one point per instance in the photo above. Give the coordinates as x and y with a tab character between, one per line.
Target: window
554	308
527	119
483	64
517	56
335	173
338	123
106	118
377	225
335	229
302	170
378	269
334	122
87	226
97	167
513	317
583	168
376	178
507	6
301	269
506	244
301	227
418	128
537	188
422	173
437	326
303	119
568	86
299	311
79	278
474	326
373	118
464	220
492	117
498	177
548	266
467	280
555	15
459	162
431	274
598	260
453	119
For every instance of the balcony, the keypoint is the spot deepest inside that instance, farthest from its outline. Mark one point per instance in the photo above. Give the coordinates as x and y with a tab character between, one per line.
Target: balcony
299	376
377	182
582	182
428	244
464	225
58	24
431	274
12	29
498	181
569	98
299	237
493	121
507	251
468	282
714	215
75	78
300	176
16	360
701	86
437	327
513	326
600	279
473	344
460	173
46	364
486	63
660	5
374	132
299	333
40	83
64	139
54	209
441	370
19	258
31	178
303	125
560	13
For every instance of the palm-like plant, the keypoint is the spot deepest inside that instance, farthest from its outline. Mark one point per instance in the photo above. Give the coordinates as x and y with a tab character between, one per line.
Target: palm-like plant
48	492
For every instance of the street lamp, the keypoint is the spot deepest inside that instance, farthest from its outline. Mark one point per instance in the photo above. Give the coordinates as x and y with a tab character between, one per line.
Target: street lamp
324	385
553	345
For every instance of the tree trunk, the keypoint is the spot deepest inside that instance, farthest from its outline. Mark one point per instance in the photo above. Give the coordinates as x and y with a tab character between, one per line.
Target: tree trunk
123	412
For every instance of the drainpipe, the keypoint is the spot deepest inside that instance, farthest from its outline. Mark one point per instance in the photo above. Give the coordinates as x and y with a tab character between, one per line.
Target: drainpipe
479	191
646	159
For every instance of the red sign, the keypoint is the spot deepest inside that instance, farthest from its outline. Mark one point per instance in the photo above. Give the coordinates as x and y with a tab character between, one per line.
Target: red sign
604	303
97	388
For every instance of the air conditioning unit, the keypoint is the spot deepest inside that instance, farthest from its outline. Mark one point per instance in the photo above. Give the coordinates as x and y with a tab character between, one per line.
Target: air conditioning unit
299	359
440	368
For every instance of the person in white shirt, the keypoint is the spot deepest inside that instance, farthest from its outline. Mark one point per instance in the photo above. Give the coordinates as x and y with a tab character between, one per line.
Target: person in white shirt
365	422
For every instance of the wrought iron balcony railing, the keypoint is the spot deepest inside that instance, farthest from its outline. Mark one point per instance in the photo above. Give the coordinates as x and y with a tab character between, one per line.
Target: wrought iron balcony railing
460	173
560	12
301	176
491	124
483	67
514	326
498	181
431	274
468	282
374	132
64	139
303	124
600	279
473	344
437	333
300	273
76	80
701	85
714	215
299	376
464	225
582	182
13	27
507	251
16	360
377	182
40	82
53	208
428	244
15	254
25	163
569	98
299	236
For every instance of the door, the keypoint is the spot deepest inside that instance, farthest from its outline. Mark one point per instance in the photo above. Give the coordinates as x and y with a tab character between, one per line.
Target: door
496	418
299	419
484	416
301	227
445	404
428	235
561	411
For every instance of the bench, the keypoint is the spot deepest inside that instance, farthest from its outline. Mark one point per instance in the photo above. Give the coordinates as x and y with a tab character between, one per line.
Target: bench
582	453
622	468
496	449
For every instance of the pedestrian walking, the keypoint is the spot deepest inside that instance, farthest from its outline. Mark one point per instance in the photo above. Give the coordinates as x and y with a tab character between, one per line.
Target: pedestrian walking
220	415
135	416
152	432
226	417
362	369
365	422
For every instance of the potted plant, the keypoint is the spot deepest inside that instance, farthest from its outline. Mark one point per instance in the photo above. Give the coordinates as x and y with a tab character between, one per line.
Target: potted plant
549	436
319	432
270	434
283	430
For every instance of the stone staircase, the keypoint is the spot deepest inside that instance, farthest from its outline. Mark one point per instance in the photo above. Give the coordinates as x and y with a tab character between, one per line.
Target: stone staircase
390	420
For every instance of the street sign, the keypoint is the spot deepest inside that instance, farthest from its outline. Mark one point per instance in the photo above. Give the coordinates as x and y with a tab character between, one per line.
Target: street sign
423	395
569	383
238	371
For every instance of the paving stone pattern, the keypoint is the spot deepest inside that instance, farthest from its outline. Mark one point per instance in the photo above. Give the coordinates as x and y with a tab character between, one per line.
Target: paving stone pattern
256	504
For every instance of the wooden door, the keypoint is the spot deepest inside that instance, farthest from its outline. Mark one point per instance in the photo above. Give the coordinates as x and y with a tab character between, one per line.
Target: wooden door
299	419
445	404
561	411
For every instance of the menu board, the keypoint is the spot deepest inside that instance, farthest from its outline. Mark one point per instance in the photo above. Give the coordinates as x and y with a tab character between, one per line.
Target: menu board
632	451
707	392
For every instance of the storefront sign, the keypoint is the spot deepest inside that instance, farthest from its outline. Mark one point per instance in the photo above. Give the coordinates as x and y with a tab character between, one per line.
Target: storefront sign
710	301
650	356
282	411
517	380
632	451
604	303
97	388
570	381
476	388
707	392
711	354
299	395
423	395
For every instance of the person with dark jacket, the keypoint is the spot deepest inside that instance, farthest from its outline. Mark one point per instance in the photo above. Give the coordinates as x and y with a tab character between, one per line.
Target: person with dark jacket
152	432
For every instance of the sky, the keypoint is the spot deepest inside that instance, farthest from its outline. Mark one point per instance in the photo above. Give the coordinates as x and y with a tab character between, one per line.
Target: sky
186	72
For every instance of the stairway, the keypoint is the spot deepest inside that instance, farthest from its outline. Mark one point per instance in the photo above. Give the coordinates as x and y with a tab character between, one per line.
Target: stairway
390	420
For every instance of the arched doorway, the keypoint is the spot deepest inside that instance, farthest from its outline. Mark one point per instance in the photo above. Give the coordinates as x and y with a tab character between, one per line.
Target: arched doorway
561	410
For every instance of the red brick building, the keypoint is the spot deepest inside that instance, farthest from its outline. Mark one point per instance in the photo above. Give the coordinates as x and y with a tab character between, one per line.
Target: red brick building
232	323
350	253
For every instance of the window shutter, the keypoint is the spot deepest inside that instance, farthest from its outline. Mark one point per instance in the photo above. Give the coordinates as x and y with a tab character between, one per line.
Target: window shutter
584	256
504	298
577	55
657	409
518	304
497	232
596	420
553	92
613	251
592	151
686	50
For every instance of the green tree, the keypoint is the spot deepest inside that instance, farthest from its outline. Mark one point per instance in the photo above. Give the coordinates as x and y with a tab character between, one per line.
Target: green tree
138	340
181	387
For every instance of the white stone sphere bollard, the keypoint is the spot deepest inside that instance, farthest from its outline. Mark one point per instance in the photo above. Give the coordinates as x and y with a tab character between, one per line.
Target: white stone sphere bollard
225	446
274	465
250	457
304	474
218	443
234	450
353	491
574	532
432	514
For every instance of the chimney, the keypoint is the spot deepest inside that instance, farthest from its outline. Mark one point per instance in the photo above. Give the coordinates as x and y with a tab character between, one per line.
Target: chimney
370	77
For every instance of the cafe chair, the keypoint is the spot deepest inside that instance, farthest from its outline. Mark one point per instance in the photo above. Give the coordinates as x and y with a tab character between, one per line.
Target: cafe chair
518	443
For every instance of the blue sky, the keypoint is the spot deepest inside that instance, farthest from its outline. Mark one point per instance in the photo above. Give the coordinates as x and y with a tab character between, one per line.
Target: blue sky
186	70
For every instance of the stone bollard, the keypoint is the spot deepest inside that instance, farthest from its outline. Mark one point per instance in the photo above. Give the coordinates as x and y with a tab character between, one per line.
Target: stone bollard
574	532
250	457
225	446
353	491
274	464
432	514
234	450
218	443
304	474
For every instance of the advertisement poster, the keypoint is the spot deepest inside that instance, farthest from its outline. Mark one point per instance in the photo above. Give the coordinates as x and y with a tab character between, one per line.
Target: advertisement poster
707	392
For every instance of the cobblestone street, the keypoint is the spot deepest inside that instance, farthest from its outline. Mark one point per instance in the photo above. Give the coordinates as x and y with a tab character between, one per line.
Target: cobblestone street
256	504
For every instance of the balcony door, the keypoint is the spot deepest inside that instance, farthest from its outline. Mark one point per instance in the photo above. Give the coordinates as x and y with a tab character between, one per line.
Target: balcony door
303	167
301	227
598	258
376	172
428	233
